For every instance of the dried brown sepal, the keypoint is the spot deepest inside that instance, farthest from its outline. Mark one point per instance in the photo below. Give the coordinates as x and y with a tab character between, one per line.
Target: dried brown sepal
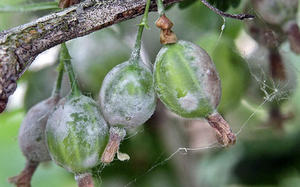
224	134
294	37
276	64
85	180
116	135
167	37
24	178
164	23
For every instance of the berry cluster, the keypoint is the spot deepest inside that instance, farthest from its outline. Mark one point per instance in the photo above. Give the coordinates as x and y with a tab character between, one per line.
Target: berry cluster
79	134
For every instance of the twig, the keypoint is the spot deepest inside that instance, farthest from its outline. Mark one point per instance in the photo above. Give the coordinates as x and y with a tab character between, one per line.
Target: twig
221	13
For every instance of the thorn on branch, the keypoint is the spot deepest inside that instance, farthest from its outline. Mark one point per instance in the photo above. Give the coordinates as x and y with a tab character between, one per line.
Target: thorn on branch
224	14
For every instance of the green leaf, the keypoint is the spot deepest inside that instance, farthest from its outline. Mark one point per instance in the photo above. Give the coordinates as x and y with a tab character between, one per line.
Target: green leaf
29	7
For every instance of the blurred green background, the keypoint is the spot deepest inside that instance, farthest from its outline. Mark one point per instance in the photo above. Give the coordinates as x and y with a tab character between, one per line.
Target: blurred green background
266	154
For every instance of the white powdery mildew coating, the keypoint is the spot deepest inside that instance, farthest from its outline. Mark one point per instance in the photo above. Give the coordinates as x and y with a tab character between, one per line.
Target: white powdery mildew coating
205	71
130	79
90	161
160	55
121	108
89	131
189	102
31	133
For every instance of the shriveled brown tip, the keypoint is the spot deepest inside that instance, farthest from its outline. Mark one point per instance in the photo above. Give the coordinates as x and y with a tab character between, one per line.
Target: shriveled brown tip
167	37
224	134
164	23
24	178
3	103
115	137
84	180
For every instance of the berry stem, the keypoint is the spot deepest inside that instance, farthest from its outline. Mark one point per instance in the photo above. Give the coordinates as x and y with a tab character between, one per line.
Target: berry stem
135	55
84	180
24	178
224	133
116	135
160	7
60	69
66	58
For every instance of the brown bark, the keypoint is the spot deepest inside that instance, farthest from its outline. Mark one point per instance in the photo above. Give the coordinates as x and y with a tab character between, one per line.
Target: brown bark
20	45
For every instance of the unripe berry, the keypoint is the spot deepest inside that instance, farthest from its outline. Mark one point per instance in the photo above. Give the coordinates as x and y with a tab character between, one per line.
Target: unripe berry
187	82
76	134
127	96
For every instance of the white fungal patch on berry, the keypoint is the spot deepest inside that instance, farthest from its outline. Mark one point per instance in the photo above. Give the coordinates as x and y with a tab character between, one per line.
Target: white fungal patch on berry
188	102
186	80
91	160
130	79
205	71
76	134
127	96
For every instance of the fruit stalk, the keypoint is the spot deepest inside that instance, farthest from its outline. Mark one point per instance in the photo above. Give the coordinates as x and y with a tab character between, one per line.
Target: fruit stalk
160	7
135	55
24	178
65	55
61	69
225	136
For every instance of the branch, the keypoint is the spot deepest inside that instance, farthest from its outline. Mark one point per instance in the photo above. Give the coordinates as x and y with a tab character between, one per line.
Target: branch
19	46
224	14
